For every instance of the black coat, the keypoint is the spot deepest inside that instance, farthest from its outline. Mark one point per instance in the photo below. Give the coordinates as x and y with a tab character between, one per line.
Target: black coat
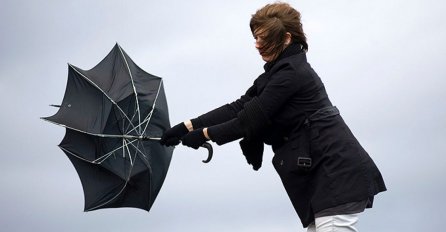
287	94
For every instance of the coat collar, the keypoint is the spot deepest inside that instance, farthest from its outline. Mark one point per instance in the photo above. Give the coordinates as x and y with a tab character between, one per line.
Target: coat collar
292	49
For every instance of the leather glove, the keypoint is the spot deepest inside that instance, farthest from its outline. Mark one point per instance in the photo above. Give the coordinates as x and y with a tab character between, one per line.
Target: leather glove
172	136
253	152
194	139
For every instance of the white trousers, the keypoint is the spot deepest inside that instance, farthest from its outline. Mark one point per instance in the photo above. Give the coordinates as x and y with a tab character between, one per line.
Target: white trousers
335	223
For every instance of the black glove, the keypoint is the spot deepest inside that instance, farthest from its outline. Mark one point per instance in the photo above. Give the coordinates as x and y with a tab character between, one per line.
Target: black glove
253	152
194	139
172	136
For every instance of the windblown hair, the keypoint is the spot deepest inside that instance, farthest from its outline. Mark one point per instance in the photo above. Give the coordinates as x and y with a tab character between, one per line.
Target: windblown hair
272	22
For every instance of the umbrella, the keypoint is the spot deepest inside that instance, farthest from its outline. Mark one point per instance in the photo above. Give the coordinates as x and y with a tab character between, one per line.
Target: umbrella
114	115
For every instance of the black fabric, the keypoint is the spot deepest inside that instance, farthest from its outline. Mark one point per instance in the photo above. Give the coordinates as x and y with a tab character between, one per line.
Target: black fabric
216	116
226	132
194	139
347	208
288	92
253	119
172	136
226	112
249	122
115	98
253	152
197	123
323	113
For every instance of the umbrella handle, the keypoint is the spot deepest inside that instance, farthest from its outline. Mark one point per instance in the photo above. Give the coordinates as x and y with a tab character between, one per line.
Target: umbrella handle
210	150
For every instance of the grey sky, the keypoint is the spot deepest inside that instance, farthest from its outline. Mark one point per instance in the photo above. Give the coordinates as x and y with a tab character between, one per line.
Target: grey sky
381	62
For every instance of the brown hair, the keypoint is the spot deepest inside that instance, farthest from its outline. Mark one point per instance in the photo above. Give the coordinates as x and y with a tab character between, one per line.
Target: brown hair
272	22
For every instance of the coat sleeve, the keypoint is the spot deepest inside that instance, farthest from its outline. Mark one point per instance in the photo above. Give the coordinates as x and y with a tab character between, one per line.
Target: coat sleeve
249	123
255	114
224	113
258	113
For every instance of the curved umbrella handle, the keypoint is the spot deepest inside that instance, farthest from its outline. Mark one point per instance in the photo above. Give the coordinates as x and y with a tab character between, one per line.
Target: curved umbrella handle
210	150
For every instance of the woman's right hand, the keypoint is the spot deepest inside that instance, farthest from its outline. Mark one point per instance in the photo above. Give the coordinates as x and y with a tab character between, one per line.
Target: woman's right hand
172	136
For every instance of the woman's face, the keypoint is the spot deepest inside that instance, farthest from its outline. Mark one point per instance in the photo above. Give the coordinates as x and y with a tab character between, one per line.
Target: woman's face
258	44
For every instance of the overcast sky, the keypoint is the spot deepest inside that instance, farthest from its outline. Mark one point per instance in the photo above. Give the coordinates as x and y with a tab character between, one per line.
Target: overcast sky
382	63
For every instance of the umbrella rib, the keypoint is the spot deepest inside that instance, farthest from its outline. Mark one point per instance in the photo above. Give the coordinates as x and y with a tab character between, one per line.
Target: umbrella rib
119	193
89	161
126	146
130	126
134	127
149	116
139	151
126	181
106	156
71	153
98	160
109	98
103	135
113	198
133	85
132	162
148	166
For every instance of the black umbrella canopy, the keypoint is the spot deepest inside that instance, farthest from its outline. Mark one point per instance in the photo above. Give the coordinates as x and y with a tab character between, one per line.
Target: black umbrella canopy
114	115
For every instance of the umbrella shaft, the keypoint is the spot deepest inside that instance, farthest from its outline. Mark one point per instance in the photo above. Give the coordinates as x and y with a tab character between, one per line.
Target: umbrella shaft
139	137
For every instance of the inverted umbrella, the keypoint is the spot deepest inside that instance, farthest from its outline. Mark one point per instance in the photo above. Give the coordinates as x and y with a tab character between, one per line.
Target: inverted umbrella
114	115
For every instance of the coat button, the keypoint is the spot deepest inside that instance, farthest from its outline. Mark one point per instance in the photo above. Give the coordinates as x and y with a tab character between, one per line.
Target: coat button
285	138
281	162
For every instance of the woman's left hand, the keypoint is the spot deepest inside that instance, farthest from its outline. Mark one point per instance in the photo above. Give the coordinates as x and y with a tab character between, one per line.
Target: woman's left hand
194	139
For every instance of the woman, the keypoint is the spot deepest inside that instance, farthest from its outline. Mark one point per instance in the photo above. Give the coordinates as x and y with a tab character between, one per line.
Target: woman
328	176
